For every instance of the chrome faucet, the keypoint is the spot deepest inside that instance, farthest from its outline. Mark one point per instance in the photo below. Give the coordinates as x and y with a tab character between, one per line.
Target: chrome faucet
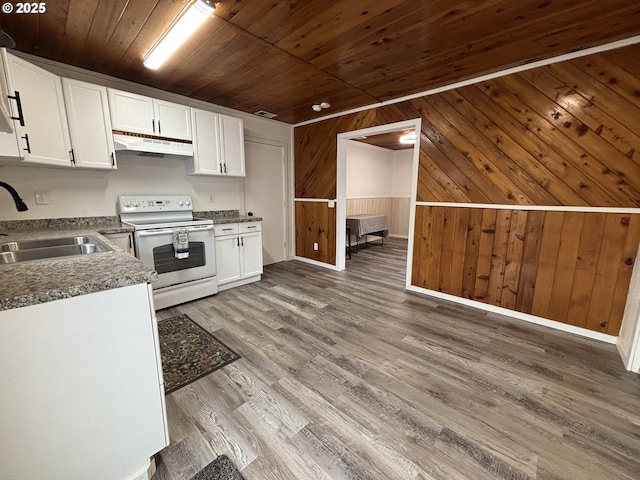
20	205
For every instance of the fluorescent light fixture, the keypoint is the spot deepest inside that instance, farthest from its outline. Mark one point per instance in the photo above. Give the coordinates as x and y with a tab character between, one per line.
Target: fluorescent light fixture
408	139
181	30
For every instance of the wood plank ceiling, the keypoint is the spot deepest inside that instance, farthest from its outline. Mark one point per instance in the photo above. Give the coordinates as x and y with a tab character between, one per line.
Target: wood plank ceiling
283	57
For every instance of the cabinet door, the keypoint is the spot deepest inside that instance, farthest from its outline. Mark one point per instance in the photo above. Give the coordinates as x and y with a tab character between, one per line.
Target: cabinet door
6	123
89	124
232	141
251	255
131	113
172	120
227	259
122	240
44	138
206	143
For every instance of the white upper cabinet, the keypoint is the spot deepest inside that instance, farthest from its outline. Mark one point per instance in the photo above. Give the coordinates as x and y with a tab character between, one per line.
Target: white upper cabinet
139	114
131	113
218	144
89	124
6	122
42	131
206	144
174	120
232	145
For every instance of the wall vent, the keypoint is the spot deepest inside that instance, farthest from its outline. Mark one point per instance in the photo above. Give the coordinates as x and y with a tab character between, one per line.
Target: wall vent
265	114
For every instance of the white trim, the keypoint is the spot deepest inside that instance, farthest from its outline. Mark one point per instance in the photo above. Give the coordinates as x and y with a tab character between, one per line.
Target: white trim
291	246
551	208
330	266
341	180
583	332
521	68
369	146
319	200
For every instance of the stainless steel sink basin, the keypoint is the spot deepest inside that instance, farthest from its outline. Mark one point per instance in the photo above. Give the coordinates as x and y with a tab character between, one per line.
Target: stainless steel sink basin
23	251
46	242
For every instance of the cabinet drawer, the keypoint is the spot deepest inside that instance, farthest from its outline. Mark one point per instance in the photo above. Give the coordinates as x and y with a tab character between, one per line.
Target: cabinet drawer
226	229
248	227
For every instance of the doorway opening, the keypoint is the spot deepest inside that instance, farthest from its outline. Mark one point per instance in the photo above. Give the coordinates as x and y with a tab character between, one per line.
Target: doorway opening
365	182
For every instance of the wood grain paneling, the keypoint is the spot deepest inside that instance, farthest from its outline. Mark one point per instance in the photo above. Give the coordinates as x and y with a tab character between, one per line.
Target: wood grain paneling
283	57
315	223
397	210
571	267
557	135
563	134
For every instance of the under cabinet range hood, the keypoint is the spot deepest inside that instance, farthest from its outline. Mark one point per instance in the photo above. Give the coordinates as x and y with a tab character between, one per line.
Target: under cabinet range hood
153	147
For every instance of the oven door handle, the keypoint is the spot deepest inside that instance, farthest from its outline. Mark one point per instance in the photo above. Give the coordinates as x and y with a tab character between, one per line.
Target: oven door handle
164	231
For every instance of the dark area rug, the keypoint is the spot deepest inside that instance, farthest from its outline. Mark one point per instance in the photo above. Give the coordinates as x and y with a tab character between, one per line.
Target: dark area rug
220	469
189	352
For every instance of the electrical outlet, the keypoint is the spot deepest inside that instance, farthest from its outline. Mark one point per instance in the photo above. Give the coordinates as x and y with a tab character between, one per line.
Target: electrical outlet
315	246
212	198
42	198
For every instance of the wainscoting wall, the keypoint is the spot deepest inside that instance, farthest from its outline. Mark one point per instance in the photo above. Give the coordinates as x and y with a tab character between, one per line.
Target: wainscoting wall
567	134
571	267
396	209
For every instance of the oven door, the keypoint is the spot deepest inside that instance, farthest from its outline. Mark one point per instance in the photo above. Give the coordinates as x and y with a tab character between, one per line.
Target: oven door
154	247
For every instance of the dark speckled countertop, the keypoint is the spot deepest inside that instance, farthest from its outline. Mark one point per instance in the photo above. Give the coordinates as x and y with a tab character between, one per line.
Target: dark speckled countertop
40	281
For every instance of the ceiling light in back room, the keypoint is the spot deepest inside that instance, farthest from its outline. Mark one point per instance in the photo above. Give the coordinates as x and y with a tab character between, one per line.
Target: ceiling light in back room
179	32
408	139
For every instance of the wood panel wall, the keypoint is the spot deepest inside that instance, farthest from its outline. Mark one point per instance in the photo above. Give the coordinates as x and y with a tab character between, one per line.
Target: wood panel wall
571	267
566	134
397	210
319	227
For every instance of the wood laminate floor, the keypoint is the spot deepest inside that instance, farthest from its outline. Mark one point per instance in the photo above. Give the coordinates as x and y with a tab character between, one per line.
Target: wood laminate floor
345	375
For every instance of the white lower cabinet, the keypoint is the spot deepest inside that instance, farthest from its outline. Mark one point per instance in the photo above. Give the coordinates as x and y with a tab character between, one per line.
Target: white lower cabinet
122	240
82	389
238	254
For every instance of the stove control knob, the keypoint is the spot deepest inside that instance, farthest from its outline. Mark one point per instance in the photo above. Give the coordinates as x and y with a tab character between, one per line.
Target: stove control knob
136	204
187	203
180	202
127	204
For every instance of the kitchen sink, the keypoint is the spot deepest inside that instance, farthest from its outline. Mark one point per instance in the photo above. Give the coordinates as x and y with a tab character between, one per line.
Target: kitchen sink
23	251
46	242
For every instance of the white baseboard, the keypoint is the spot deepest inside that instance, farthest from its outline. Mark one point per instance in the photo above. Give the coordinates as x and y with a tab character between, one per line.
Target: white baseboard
583	332
238	283
316	263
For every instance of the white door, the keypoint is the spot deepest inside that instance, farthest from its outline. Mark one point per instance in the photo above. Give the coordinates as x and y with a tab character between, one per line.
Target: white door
265	196
89	124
